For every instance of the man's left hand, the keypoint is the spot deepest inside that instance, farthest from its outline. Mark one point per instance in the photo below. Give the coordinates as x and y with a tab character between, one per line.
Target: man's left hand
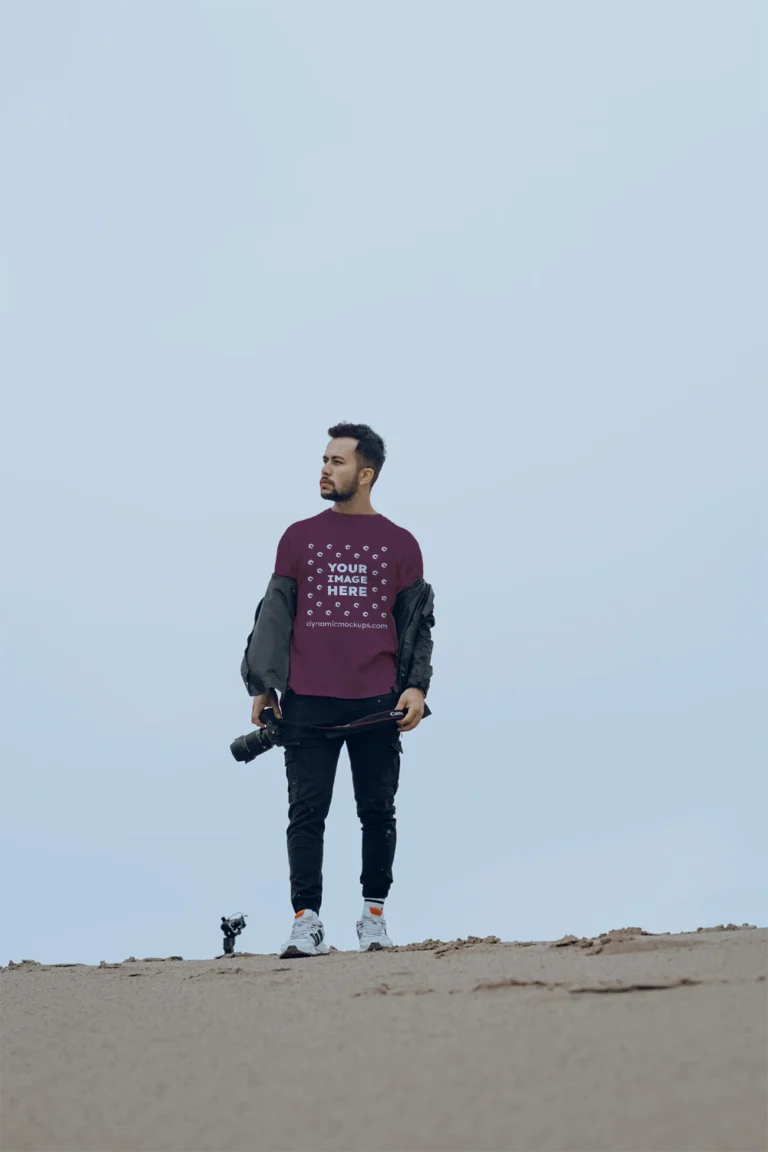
412	703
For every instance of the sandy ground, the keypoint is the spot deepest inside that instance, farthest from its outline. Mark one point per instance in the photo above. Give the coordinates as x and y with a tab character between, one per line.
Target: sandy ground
628	1043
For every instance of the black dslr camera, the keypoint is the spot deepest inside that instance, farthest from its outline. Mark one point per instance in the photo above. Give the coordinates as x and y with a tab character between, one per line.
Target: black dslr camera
248	747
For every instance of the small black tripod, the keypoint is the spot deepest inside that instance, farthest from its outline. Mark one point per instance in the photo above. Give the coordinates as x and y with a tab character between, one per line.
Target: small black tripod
231	926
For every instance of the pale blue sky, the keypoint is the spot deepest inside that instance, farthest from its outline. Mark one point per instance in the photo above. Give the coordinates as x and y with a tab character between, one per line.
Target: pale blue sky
527	243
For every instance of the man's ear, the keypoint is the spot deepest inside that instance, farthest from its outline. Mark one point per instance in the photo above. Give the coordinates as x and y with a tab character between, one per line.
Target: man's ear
366	476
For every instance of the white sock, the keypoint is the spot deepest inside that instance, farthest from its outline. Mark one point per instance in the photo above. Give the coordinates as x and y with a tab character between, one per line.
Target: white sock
375	907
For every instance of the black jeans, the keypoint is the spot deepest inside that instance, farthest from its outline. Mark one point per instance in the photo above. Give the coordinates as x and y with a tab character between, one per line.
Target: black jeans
310	763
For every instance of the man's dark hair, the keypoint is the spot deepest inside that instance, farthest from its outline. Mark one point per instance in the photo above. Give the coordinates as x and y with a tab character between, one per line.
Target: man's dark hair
371	450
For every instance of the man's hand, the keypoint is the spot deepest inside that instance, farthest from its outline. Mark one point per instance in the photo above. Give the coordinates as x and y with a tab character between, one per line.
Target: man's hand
266	700
412	700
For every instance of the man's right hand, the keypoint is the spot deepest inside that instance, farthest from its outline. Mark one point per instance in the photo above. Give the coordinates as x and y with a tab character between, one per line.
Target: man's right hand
266	700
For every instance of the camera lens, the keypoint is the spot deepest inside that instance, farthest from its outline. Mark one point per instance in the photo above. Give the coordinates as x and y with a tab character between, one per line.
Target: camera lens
248	747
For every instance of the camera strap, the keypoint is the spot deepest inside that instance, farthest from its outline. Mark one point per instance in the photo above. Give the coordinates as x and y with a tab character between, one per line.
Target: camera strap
365	723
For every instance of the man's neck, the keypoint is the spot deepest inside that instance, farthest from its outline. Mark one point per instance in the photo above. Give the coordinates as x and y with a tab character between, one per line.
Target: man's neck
357	506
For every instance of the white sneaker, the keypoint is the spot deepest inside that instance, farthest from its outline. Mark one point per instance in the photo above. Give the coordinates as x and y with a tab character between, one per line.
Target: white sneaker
307	937
372	932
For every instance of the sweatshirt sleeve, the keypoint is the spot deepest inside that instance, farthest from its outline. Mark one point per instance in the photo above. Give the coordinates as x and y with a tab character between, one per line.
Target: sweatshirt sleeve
286	561
410	563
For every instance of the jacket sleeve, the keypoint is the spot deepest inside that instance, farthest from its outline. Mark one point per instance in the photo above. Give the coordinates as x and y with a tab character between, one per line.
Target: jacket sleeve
267	651
420	669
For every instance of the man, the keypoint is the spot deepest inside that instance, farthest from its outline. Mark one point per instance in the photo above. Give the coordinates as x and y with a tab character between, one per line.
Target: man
343	633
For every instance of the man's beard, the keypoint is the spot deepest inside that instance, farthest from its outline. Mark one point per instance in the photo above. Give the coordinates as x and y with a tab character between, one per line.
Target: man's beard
340	497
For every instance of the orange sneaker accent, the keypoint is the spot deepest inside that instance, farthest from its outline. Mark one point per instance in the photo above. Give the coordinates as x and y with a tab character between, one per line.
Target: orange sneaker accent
298	914
376	911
